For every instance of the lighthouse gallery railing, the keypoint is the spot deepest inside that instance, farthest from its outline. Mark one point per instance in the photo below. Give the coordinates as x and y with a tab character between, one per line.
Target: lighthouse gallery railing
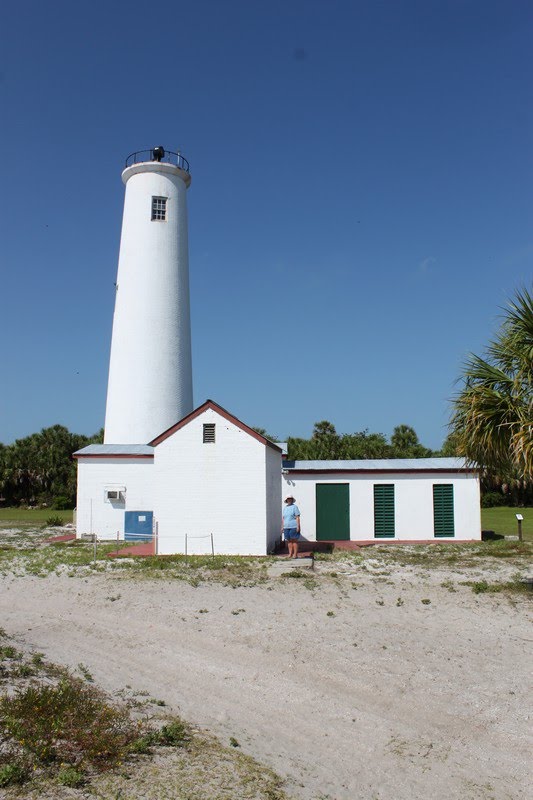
169	157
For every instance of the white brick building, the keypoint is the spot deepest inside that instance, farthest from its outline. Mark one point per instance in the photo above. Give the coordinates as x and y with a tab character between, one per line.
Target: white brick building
212	474
208	474
397	499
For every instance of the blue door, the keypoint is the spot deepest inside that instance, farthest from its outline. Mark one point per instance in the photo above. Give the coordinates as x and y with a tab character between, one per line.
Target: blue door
138	526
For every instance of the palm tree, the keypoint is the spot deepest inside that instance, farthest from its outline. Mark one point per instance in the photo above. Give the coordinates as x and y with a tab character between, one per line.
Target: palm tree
405	444
493	413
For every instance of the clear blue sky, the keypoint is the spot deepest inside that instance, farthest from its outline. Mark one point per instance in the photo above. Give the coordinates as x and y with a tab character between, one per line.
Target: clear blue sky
360	207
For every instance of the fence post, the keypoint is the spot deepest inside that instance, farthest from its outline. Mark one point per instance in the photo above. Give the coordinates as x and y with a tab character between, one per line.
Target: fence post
212	547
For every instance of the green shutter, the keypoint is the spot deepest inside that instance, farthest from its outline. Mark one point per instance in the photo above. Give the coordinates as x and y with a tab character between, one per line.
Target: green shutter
443	517
383	510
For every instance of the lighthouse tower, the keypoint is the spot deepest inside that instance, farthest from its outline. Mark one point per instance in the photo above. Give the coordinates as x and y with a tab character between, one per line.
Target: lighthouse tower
150	370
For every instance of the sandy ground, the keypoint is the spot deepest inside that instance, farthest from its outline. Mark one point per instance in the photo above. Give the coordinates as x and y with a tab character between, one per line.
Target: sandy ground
347	692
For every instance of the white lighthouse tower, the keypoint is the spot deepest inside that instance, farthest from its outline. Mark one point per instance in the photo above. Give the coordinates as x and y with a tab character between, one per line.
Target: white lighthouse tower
150	370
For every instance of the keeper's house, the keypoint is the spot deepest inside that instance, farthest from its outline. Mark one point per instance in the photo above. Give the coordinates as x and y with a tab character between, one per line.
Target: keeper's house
212	474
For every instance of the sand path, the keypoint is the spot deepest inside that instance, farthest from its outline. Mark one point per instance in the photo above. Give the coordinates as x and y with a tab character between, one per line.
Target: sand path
379	700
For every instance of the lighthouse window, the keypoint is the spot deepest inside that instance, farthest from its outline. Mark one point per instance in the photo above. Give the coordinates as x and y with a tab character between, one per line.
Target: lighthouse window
209	433
159	208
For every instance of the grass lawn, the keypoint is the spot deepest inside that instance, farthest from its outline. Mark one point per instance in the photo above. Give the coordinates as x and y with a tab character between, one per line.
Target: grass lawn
502	520
32	516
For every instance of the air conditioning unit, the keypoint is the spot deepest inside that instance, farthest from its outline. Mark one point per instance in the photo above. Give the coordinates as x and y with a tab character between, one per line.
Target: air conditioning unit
114	494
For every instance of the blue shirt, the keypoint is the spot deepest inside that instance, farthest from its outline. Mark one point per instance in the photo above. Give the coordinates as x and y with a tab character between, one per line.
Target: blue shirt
289	516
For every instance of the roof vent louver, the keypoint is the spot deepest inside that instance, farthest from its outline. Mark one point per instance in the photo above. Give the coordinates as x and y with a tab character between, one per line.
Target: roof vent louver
209	433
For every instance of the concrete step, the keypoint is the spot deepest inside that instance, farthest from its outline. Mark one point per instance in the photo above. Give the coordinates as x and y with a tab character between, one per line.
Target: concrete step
290	565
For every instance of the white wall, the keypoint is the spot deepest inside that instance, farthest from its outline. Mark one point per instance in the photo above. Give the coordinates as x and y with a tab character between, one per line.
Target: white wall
150	372
215	488
94	475
413	497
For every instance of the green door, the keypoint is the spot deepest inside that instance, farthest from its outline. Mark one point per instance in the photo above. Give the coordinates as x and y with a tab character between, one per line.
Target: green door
332	511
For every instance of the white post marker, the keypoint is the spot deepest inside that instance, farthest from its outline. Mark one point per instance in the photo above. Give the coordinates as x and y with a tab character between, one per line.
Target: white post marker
519	517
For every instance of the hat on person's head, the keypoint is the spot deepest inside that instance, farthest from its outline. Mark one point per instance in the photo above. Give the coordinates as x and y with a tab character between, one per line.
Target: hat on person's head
289	497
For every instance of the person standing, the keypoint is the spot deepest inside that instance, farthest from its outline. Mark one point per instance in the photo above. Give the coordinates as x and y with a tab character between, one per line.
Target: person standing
291	525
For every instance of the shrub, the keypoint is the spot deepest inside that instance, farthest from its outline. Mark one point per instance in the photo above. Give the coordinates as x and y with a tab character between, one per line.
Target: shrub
8	651
69	776
54	522
12	773
493	499
174	734
71	722
61	503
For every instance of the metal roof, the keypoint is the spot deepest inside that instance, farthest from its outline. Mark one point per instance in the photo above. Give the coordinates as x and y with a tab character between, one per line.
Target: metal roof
382	464
116	450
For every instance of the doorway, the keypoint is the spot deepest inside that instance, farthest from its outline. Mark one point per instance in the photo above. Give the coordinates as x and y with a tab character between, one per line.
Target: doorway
332	511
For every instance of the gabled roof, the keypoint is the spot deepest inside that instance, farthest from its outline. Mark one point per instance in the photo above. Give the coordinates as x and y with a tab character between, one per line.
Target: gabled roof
223	413
382	465
115	451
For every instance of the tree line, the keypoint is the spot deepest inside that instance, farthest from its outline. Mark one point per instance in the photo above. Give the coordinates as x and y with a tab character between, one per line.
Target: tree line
39	469
326	444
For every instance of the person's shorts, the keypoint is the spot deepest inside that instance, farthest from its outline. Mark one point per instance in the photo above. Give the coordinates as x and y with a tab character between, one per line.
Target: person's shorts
290	534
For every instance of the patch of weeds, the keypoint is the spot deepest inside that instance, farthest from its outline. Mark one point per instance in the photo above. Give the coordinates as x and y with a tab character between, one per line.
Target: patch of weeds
69	723
426	601
37	659
380	602
155	702
71	777
11	653
203	611
141	746
114	598
11	774
85	672
330	614
174	734
294	573
355	586
237	611
233	742
399	602
448	585
23	671
482	587
310	583
54	522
